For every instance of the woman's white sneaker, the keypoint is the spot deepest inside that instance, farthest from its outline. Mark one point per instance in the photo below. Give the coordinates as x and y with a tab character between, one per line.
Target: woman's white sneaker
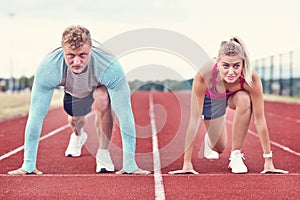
208	152
75	144
236	162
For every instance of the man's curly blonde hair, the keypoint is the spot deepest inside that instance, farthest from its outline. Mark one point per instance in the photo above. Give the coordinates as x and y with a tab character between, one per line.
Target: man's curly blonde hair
76	36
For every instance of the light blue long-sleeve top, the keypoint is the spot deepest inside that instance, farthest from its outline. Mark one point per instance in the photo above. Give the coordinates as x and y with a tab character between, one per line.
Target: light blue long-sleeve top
49	76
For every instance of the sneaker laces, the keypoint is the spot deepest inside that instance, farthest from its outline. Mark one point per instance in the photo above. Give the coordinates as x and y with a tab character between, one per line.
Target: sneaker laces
237	164
240	155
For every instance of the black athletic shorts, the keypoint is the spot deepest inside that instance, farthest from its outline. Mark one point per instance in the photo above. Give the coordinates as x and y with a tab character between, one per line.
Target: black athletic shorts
213	109
78	106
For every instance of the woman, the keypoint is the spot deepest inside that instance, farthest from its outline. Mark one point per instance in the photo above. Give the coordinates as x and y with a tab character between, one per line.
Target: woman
227	81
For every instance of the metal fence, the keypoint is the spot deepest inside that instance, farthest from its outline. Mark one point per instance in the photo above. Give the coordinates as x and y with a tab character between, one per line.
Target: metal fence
280	74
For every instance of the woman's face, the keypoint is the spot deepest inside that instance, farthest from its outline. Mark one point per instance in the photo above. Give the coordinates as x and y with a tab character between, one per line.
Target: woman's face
230	68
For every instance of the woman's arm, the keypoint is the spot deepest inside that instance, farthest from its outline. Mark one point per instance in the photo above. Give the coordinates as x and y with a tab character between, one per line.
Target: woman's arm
197	98
256	94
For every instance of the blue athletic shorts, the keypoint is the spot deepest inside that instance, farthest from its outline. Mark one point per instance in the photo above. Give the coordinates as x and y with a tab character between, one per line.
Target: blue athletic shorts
78	106
213	109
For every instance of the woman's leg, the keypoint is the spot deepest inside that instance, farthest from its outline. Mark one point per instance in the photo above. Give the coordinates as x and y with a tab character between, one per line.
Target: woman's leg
241	103
216	130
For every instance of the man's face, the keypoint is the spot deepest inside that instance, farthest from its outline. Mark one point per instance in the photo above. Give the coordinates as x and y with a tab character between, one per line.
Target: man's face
77	59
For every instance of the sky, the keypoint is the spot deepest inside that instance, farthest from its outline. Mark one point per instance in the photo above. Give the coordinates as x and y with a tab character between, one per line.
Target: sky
32	28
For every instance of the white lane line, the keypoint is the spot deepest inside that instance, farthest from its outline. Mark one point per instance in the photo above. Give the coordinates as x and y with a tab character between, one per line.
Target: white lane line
285	148
42	138
295	120
159	187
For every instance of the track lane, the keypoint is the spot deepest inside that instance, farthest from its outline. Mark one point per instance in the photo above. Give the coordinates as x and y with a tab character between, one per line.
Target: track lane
215	180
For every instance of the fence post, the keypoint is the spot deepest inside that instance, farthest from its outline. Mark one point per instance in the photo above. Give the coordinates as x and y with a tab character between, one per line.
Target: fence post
280	75
263	74
271	75
291	74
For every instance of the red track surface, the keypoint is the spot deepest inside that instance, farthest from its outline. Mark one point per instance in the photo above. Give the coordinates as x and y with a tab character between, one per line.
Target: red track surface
75	178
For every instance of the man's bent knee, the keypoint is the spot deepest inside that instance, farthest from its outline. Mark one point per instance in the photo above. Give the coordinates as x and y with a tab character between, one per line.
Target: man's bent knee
102	100
76	119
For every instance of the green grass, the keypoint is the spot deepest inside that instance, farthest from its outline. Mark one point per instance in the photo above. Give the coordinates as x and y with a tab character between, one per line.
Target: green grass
285	99
16	104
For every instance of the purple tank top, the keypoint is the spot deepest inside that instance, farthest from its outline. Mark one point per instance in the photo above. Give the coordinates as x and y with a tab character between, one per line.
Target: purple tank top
214	94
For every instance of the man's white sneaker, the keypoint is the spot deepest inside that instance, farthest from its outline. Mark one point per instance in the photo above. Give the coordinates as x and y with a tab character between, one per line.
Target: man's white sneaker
208	152
75	144
236	162
103	161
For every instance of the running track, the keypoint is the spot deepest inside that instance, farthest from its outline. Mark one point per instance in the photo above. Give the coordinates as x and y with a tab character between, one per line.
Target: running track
161	120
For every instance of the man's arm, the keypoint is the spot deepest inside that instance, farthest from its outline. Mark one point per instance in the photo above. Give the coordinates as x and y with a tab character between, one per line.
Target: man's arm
120	101
45	81
40	102
113	77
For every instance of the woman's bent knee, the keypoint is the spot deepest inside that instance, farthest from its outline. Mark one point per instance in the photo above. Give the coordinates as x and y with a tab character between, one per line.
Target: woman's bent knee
240	100
219	148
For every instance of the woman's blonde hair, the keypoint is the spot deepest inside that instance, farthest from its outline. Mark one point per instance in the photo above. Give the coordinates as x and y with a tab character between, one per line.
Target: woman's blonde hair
235	46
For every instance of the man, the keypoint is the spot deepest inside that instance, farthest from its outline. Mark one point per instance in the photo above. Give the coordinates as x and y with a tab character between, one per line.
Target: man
89	76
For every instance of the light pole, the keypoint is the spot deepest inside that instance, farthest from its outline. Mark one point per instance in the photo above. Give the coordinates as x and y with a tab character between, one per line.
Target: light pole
11	81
